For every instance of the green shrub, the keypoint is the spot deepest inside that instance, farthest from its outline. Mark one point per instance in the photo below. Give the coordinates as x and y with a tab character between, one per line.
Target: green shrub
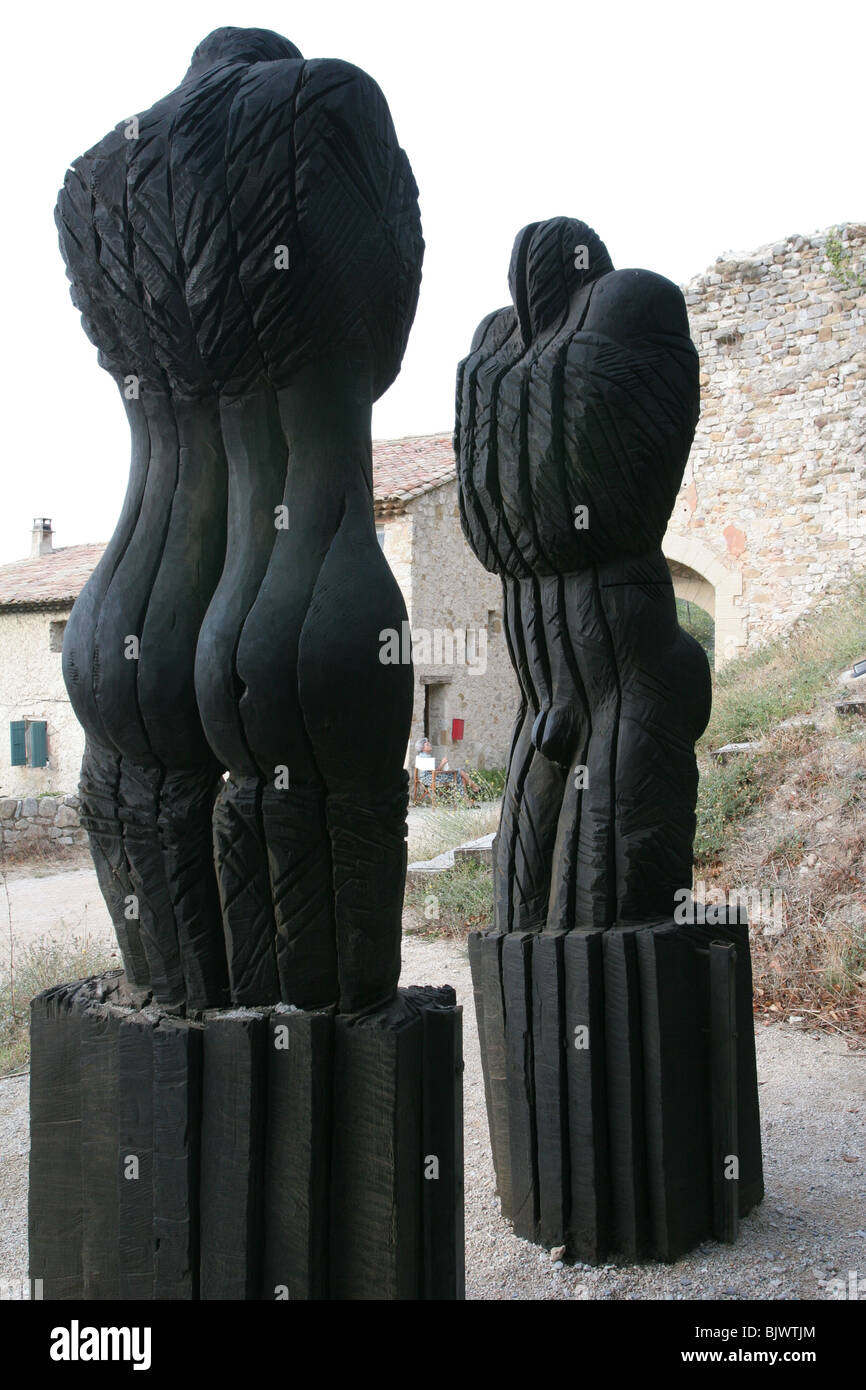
489	780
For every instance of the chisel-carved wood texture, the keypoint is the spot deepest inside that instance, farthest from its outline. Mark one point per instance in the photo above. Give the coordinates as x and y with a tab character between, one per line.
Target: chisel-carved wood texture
576	409
246	256
265	1153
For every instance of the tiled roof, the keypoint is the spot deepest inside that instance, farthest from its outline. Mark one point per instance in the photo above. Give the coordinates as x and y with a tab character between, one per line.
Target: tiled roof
402	469
49	581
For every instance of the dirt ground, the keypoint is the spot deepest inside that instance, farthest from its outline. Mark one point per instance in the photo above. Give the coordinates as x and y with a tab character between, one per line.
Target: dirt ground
55	906
805	1241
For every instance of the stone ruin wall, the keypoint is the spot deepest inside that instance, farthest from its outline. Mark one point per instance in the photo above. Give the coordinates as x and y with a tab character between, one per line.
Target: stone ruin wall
772	511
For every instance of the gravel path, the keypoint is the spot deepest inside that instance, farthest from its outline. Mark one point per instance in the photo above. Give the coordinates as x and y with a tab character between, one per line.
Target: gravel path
809	1232
54	906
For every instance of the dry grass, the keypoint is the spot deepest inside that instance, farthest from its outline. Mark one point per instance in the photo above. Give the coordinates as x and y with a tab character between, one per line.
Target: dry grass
442	827
452	903
460	900
804	849
789	819
36	858
789	676
36	967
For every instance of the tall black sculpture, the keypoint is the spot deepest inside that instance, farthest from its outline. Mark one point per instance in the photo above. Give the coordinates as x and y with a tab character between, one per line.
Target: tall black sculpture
246	255
576	410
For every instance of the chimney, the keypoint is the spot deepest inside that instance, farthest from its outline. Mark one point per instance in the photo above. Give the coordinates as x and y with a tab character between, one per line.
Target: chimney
40	543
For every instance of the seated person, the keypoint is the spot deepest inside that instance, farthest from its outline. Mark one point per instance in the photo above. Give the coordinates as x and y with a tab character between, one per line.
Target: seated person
425	762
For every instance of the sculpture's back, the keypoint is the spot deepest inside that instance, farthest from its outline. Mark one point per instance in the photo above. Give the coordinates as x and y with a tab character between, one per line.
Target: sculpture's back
246	255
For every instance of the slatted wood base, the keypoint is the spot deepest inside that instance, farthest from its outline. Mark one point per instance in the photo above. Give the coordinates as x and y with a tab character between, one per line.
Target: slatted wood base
245	1154
619	1071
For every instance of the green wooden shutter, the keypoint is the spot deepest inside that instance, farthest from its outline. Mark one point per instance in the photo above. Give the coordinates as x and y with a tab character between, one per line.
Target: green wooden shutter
17	731
38	743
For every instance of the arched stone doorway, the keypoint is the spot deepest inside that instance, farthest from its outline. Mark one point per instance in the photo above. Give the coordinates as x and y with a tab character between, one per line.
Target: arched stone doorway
696	605
700	577
692	587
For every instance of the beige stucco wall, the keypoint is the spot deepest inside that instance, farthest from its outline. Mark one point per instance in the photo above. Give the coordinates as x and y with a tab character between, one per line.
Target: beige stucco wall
31	687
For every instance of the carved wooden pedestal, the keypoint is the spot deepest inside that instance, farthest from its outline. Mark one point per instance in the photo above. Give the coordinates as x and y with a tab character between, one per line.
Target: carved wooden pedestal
265	1153
619	1069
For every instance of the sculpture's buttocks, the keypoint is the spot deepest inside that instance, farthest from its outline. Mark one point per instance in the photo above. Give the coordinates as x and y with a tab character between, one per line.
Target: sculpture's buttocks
246	256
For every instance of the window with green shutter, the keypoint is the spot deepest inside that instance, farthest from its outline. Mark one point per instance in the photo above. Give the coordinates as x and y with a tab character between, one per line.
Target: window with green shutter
29	740
18	733
38	743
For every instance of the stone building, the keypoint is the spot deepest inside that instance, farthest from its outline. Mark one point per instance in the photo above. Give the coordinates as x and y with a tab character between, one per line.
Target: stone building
42	741
462	670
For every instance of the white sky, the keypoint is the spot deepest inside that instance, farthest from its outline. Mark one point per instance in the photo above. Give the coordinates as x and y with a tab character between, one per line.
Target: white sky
679	131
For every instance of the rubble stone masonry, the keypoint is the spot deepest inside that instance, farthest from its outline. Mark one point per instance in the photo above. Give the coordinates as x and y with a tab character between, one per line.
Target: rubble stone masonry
772	512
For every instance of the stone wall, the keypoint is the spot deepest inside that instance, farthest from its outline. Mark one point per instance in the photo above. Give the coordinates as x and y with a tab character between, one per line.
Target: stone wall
398	552
455	607
452	592
32	687
772	511
36	821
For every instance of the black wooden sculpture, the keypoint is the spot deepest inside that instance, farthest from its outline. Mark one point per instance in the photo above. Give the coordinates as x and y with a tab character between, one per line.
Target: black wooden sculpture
246	255
247	259
576	410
